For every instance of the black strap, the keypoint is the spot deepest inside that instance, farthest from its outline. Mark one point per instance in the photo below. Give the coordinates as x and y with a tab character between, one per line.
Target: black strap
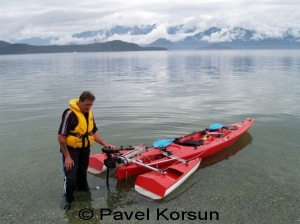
83	137
189	142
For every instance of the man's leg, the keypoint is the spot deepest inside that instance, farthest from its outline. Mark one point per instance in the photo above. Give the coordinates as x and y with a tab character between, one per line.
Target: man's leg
81	178
70	177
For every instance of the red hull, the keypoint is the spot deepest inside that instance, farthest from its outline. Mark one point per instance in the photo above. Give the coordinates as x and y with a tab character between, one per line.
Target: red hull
213	143
157	185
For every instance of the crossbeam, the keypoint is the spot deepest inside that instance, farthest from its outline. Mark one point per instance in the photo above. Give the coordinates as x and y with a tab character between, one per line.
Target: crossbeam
149	167
175	157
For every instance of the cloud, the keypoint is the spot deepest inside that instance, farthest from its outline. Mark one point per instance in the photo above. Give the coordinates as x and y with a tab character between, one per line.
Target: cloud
53	18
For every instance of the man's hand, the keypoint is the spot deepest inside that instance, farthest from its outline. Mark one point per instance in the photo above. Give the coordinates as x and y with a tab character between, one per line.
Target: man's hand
106	145
69	163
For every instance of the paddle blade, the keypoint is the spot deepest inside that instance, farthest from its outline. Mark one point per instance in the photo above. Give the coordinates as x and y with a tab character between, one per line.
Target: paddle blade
162	142
215	126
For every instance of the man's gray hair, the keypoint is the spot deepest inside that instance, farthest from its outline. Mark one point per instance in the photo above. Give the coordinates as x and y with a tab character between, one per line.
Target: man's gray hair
86	95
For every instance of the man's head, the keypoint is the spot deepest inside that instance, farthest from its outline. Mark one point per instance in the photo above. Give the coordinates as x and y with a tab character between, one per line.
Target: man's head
86	101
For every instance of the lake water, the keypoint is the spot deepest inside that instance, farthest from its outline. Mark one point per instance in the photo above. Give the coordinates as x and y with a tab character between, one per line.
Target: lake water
142	97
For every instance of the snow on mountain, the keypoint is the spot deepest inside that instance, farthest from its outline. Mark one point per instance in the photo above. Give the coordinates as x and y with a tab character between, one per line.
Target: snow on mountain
178	37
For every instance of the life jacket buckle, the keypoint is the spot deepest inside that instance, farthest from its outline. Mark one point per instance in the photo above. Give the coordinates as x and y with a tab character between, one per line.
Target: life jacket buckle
79	135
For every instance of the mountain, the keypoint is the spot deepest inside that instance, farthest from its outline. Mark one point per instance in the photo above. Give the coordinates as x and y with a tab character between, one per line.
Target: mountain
117	30
3	43
98	47
187	38
37	41
161	42
235	38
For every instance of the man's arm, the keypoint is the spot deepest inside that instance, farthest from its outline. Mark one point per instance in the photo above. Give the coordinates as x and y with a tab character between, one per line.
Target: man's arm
69	163
100	141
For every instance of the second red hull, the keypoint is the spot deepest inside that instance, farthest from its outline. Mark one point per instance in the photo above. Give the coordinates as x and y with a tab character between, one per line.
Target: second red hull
212	143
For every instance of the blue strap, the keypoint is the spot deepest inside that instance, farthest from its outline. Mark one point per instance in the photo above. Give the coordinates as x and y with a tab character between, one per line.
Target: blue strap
162	142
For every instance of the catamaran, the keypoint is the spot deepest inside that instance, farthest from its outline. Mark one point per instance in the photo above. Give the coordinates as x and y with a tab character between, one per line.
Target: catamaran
161	168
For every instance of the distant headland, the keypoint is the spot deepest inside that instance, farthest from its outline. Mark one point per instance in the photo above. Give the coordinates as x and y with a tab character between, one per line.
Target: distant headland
116	45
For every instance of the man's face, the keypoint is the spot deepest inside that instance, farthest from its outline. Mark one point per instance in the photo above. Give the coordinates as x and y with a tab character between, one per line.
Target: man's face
85	106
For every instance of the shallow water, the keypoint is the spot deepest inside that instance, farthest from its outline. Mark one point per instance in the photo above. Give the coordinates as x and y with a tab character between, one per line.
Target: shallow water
142	97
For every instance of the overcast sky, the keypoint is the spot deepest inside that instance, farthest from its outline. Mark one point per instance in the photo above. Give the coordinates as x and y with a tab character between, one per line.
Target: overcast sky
20	19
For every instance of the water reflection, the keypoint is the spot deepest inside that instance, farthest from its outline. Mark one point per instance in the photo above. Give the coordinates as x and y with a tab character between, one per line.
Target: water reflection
240	144
242	65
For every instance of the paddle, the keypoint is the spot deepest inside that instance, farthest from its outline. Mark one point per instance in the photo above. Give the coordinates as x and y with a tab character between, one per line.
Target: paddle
215	126
162	142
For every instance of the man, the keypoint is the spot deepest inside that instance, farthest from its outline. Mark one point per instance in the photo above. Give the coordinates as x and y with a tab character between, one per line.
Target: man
77	132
